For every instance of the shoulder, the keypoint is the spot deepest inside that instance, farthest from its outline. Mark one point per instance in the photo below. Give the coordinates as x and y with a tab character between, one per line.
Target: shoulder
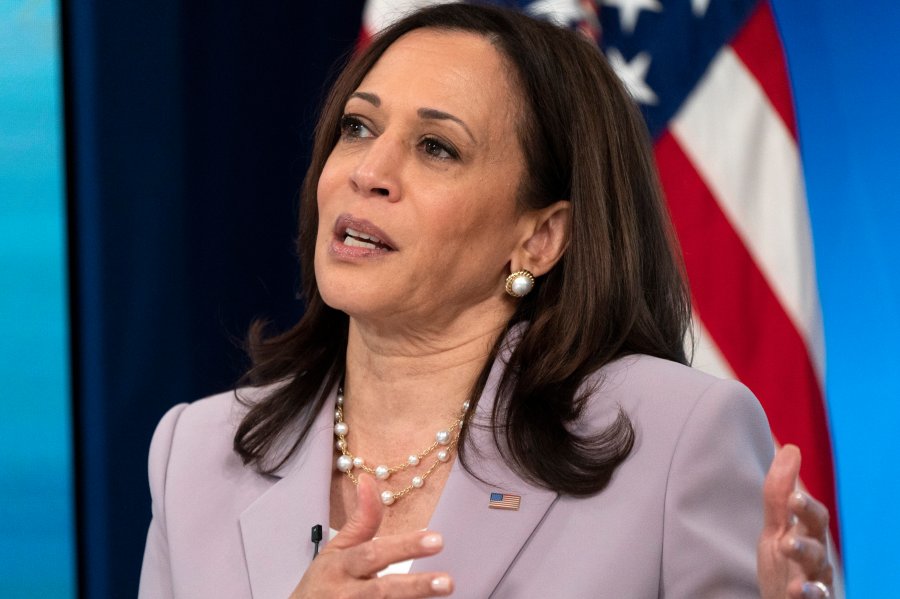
197	423
661	394
638	375
702	448
681	417
208	418
197	439
685	421
199	487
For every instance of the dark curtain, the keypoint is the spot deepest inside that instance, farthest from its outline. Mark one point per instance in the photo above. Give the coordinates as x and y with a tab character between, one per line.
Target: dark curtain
188	128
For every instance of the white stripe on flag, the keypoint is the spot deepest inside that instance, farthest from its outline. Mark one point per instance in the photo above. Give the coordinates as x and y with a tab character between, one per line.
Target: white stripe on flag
760	191
707	355
378	14
561	12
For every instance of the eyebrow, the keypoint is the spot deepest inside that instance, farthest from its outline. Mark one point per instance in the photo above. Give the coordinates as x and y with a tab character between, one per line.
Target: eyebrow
424	113
431	113
370	98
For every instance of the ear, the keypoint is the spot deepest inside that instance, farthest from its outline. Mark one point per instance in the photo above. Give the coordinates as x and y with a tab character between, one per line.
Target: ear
546	236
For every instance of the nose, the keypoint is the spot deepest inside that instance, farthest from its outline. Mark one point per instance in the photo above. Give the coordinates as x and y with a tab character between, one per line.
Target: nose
376	173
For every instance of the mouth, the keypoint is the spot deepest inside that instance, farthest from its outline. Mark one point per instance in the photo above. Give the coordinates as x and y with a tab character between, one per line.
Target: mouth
362	234
358	239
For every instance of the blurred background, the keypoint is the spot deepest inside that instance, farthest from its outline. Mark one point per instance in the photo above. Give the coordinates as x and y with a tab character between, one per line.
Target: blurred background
150	157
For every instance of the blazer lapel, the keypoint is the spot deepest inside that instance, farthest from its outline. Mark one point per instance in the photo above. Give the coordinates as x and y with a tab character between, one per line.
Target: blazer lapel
276	527
481	543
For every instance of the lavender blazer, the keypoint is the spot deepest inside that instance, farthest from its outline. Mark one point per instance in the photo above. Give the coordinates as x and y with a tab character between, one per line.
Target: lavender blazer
679	520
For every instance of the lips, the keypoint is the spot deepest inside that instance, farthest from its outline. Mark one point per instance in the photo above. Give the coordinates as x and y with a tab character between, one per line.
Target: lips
360	233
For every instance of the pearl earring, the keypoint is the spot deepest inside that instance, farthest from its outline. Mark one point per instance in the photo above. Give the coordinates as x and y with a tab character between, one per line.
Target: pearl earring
519	283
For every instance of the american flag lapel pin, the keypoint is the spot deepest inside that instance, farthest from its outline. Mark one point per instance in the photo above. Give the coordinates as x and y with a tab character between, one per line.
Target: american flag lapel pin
504	501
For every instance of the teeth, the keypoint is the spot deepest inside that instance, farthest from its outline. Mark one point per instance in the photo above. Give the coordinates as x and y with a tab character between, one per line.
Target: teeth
356	233
361	235
358	243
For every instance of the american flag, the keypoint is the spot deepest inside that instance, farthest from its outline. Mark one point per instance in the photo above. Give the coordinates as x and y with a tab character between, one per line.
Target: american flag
712	82
504	501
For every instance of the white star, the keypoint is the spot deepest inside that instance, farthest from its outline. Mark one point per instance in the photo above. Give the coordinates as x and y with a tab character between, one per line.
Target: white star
629	11
699	7
561	12
633	74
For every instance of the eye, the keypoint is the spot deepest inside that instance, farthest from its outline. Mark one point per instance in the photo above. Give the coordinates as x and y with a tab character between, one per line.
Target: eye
353	128
438	149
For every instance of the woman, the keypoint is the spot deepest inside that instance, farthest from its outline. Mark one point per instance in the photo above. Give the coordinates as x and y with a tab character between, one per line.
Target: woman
494	330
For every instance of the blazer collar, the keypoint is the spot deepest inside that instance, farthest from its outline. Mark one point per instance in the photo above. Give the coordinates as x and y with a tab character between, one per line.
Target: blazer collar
480	543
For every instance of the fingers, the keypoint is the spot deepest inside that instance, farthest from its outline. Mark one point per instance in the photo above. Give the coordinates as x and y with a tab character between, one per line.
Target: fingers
369	558
810	555
806	572
808	590
806	545
811	514
395	586
349	564
366	518
409	586
780	482
365	556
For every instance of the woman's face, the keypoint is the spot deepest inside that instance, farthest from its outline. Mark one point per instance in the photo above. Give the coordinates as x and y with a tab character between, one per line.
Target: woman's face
418	218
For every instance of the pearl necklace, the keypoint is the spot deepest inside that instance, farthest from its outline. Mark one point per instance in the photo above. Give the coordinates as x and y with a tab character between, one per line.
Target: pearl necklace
346	462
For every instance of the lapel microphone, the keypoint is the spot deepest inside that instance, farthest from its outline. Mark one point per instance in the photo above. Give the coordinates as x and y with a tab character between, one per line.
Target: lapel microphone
315	537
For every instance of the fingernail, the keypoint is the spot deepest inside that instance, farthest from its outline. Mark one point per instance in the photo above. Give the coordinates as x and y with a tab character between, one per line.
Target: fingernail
432	540
799	498
441	583
797	545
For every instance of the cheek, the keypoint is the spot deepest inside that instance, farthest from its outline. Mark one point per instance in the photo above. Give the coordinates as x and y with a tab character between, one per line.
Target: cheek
479	234
327	182
324	192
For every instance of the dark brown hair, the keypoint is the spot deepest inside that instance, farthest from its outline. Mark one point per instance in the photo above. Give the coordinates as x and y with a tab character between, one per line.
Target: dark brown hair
618	289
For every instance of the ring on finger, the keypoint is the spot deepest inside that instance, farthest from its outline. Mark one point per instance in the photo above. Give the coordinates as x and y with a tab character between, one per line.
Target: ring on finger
821	586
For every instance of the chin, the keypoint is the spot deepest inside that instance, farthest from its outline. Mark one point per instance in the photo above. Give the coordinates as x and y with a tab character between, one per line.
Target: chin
345	292
351	288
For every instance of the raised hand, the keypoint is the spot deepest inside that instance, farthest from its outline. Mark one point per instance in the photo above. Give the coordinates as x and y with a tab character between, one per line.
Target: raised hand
792	555
348	566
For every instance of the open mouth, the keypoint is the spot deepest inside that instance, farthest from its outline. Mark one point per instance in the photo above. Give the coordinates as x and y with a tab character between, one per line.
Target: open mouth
362	235
355	238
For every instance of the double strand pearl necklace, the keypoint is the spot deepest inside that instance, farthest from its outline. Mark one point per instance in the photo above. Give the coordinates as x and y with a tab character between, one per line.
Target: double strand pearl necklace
347	461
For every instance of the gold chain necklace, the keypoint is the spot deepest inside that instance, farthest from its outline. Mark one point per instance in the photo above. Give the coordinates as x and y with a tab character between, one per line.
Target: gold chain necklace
446	439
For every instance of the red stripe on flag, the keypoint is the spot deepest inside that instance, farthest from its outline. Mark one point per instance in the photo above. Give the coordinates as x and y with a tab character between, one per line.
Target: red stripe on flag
747	322
362	40
759	48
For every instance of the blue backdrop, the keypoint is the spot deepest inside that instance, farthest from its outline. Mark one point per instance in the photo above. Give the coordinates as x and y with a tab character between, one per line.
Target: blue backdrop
844	61
37	551
187	134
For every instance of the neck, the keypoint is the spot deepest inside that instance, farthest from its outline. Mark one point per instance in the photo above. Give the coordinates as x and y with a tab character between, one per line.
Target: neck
397	384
